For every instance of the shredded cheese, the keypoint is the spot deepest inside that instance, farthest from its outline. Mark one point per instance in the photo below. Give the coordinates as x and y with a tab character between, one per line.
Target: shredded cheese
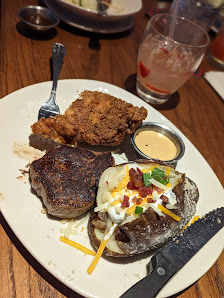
168	212
167	172
171	206
114	193
148	170
97	256
143	202
157	210
158	184
64	221
195	218
73	231
130	194
69	228
81	221
101	207
114	203
124	181
131	210
149	197
101	248
78	246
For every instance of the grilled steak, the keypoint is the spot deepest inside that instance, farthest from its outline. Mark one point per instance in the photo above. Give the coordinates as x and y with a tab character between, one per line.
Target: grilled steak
67	179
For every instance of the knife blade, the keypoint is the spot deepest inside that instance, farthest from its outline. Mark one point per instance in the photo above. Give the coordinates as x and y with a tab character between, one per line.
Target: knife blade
169	259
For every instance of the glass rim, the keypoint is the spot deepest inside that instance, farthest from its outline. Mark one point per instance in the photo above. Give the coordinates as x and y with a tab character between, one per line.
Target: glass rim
174	41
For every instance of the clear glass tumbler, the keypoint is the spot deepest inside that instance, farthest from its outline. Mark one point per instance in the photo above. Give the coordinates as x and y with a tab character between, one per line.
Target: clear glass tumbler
164	64
201	12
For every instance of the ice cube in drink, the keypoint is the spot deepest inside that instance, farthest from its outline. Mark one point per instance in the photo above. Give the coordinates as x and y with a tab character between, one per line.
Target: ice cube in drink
163	67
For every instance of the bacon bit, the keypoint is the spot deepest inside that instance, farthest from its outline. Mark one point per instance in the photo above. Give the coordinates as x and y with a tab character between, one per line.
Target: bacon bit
125	203
159	190
145	191
157	89
107	183
164	198
139	171
150	200
136	178
131	185
134	199
138	201
165	51
144	71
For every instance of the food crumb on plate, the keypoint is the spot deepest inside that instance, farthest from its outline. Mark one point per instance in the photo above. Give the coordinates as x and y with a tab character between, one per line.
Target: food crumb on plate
24	177
137	275
24	151
1	196
44	211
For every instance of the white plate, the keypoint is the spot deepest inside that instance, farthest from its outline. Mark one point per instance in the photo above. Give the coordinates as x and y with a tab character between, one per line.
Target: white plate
40	234
88	24
118	9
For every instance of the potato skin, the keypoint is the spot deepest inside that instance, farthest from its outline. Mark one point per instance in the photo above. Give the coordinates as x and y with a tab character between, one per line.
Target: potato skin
148	231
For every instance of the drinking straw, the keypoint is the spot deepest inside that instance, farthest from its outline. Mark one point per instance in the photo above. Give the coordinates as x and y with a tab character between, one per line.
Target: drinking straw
173	18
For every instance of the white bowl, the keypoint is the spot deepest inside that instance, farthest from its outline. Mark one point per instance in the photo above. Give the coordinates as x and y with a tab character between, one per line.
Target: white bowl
118	9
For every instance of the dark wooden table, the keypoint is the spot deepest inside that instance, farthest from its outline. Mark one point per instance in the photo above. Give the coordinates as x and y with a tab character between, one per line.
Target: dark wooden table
197	111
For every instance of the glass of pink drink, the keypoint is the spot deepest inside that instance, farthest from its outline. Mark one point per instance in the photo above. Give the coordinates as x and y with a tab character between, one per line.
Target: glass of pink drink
164	64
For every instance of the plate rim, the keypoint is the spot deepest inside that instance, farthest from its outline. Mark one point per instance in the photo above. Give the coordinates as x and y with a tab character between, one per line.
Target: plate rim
125	24
122	15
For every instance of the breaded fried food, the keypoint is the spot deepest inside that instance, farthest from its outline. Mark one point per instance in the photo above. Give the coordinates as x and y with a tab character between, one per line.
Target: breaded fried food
96	118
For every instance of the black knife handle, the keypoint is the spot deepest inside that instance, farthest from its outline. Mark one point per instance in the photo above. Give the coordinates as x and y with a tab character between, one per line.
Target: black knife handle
149	286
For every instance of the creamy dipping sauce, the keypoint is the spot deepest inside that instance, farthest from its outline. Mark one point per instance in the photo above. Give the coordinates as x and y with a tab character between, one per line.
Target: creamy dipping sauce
155	145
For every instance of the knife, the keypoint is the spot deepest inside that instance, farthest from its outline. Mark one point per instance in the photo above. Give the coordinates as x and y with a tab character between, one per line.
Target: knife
173	256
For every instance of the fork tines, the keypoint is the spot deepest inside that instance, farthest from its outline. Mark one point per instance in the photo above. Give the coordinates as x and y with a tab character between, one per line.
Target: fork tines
47	114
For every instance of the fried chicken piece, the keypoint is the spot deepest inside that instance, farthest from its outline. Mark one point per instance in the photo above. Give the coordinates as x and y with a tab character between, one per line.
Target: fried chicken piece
96	118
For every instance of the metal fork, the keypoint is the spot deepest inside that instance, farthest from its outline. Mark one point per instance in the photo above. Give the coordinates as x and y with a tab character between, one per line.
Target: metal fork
50	108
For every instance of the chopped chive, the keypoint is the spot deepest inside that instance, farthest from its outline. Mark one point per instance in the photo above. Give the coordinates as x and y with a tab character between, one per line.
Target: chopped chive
146	177
138	210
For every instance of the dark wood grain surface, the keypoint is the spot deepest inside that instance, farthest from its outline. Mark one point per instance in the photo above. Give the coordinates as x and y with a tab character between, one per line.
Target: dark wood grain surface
196	110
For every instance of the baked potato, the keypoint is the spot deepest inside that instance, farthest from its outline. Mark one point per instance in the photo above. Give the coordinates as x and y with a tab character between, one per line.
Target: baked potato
140	206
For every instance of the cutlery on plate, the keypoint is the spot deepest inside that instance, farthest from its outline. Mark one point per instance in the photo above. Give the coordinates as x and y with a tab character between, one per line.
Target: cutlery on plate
173	256
50	108
101	8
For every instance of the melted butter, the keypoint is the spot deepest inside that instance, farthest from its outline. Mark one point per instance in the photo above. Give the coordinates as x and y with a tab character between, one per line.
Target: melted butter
155	145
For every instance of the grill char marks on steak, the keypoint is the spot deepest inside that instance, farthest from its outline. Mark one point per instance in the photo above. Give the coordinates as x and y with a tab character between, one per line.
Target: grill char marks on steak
67	179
